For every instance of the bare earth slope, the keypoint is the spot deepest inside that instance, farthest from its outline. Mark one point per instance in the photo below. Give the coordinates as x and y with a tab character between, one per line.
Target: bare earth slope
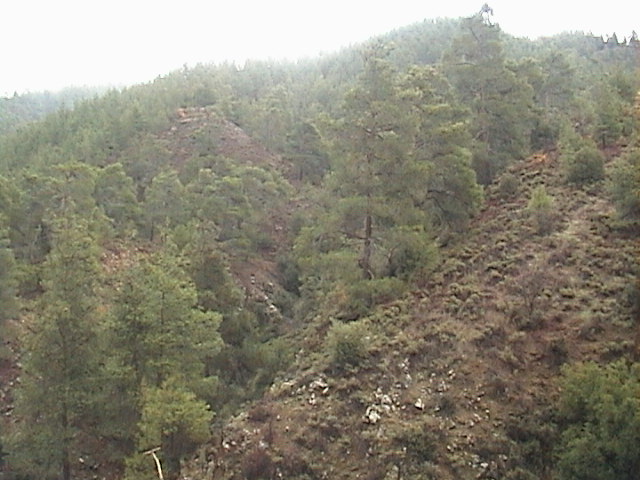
462	373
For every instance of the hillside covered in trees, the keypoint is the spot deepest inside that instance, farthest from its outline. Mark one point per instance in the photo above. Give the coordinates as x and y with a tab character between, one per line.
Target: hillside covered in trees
414	258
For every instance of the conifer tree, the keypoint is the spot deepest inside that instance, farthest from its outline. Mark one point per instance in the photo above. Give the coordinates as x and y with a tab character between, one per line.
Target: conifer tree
306	152
55	401
442	148
164	203
373	233
173	419
610	114
500	102
115	195
374	174
161	342
158	331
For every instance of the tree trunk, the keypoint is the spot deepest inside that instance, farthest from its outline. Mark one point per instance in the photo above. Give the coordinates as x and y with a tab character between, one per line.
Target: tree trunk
365	261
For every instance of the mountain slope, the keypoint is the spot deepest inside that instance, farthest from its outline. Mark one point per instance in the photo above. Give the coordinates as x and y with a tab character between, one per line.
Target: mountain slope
461	375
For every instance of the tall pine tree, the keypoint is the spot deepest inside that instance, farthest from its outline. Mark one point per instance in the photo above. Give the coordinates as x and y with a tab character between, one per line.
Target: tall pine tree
373	233
499	100
55	400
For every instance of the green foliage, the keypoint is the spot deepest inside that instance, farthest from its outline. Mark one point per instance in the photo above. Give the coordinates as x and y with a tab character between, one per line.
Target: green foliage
19	110
115	194
8	280
442	148
164	203
398	161
625	186
161	345
289	271
57	395
500	101
418	443
307	152
385	148
529	286
209	270
508	185
232	200
533	436
175	420
540	208
271	119
356	299
625	179
600	414
374	175
158	331
412	255
348	343
143	160
610	114
585	165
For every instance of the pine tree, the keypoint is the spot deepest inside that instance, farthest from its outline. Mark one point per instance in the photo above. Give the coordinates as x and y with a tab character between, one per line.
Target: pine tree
306	152
443	149
55	400
161	343
164	203
115	195
158	331
373	233
500	102
610	114
374	175
173	423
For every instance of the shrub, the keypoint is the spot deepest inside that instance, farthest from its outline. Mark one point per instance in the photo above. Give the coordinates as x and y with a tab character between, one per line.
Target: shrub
533	435
529	286
289	272
355	300
508	185
446	406
258	465
557	352
600	411
418	445
347	343
540	208
412	253
584	166
625	186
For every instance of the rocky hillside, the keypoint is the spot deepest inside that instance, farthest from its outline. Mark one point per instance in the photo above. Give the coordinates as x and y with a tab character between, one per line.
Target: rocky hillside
459	377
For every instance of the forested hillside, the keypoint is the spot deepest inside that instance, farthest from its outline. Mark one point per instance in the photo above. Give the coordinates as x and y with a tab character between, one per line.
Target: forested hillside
21	109
413	258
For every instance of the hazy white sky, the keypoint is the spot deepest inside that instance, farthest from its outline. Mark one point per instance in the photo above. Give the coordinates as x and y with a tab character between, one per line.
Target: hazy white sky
50	44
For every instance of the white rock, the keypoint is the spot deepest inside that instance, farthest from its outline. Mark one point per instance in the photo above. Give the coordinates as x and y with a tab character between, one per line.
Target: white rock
372	416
